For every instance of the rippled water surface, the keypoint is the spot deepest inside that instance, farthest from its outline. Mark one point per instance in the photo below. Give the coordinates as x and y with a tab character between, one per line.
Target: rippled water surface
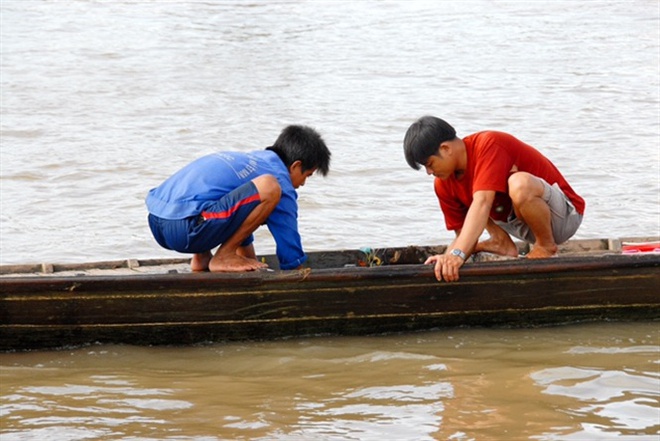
569	383
100	101
103	100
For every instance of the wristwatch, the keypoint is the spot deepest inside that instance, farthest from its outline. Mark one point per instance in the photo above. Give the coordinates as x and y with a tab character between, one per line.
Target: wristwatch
459	253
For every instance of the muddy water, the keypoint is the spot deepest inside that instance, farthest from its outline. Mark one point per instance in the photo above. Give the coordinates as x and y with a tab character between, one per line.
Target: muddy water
586	382
102	100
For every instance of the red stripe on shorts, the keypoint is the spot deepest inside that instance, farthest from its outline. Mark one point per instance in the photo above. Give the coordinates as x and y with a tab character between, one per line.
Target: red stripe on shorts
227	213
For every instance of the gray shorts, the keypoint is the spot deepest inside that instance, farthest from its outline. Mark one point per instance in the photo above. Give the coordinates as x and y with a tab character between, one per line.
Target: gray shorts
564	217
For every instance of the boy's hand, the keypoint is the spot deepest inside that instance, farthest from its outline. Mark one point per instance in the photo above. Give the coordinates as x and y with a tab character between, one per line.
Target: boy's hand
446	266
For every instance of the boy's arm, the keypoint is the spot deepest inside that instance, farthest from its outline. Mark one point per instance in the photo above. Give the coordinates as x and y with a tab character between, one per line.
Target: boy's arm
447	264
283	225
475	221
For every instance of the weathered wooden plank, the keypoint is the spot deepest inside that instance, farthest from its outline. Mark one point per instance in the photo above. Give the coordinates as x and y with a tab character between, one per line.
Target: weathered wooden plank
317	260
197	307
143	302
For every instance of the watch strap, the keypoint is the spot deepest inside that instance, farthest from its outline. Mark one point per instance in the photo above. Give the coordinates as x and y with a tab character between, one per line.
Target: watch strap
459	253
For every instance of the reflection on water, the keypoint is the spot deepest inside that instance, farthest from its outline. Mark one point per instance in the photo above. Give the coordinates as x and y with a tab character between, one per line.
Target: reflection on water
386	411
617	402
568	383
99	408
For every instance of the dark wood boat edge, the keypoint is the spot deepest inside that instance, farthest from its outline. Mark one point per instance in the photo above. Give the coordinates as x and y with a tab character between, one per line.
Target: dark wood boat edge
332	258
39	338
204	281
588	283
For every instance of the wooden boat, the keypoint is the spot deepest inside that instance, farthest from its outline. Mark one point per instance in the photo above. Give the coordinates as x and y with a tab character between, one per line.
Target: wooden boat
386	290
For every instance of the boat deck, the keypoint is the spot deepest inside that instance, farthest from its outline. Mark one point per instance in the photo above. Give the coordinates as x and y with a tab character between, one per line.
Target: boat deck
366	257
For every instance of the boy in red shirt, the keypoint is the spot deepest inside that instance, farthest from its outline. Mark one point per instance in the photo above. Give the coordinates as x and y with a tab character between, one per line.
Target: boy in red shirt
491	180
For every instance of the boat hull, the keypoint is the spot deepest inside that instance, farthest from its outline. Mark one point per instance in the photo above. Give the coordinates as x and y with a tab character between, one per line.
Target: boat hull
194	308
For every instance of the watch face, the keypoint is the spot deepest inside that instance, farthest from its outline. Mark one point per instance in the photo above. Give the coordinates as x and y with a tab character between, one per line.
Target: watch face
457	252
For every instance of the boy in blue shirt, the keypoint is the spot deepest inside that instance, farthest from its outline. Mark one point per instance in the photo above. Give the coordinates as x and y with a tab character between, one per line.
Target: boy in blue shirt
222	198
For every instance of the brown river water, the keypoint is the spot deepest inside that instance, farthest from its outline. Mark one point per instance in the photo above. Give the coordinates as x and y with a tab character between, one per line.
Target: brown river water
580	382
102	100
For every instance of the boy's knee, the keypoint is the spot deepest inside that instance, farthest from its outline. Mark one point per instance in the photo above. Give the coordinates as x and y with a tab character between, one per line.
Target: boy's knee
522	185
268	187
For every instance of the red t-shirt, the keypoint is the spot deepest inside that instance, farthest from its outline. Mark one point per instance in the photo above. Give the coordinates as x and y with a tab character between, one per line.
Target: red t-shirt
490	158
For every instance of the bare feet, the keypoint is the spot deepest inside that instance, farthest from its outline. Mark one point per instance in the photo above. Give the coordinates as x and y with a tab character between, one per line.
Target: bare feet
200	261
224	263
504	247
232	262
542	252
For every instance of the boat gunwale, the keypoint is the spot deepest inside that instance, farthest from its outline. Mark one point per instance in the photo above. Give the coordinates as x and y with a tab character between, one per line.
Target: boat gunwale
577	247
205	281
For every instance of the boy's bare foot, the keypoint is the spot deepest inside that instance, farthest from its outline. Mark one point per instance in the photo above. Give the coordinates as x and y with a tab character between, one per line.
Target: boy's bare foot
200	261
232	262
542	252
504	247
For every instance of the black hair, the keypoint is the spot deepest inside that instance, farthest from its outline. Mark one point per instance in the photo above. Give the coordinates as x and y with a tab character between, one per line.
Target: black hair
304	144
423	139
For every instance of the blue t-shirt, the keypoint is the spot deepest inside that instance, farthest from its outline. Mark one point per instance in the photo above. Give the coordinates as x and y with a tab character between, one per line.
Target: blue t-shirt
211	177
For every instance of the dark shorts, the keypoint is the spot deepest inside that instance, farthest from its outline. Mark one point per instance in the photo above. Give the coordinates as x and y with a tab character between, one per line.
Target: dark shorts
217	222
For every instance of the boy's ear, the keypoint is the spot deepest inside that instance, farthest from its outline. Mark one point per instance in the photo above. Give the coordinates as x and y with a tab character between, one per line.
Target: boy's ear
296	164
444	149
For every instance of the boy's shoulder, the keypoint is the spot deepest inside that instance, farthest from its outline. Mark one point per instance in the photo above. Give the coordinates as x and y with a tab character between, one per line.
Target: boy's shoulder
491	140
263	157
489	135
